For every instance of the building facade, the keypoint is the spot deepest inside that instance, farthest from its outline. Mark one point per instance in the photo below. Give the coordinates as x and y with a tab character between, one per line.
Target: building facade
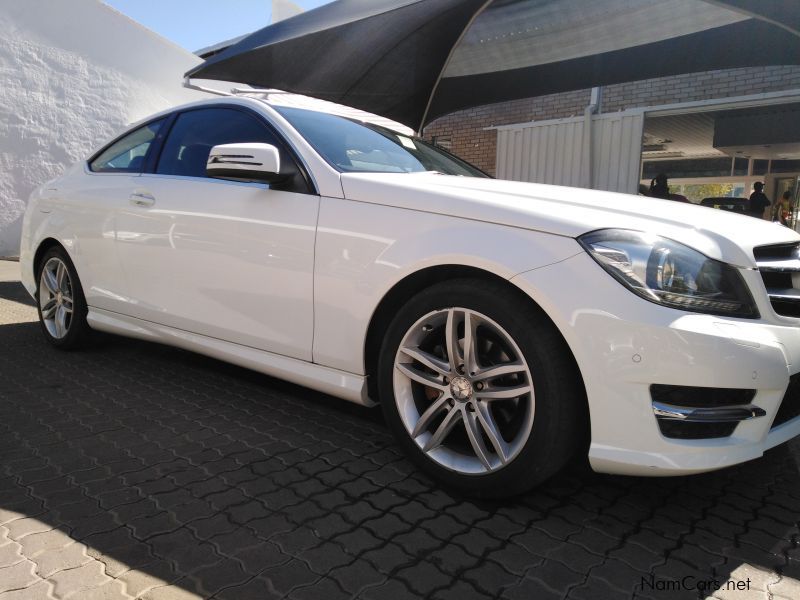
556	124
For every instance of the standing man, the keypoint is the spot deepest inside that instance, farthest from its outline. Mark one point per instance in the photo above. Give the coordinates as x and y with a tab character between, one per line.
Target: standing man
758	201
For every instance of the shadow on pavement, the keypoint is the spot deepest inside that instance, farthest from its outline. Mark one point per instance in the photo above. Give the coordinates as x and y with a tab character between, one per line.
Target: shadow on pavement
170	468
13	291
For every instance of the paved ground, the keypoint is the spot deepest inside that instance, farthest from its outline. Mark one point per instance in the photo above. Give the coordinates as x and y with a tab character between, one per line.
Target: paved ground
135	470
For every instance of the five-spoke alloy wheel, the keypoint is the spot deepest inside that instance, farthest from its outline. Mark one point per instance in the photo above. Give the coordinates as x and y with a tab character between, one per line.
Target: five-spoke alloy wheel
480	388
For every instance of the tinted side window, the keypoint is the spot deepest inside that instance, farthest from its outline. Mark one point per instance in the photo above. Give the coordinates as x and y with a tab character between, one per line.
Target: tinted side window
127	154
195	132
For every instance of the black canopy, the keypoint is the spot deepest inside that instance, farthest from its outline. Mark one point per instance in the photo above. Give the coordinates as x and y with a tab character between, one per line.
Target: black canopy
416	60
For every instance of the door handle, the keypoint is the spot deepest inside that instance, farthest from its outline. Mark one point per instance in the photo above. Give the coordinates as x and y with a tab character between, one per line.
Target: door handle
142	199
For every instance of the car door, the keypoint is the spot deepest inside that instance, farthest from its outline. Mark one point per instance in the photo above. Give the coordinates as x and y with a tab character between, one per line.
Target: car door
92	201
224	259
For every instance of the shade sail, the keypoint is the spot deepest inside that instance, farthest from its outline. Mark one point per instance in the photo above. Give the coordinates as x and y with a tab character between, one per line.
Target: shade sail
415	60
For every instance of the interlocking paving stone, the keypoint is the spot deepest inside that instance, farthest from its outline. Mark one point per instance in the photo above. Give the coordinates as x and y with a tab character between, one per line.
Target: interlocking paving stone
73	582
131	470
17	576
54	560
37	591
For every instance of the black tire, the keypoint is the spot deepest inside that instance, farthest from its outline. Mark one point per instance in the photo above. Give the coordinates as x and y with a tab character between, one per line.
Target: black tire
560	415
78	331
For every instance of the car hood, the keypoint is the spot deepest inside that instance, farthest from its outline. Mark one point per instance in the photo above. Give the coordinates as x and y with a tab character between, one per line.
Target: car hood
569	211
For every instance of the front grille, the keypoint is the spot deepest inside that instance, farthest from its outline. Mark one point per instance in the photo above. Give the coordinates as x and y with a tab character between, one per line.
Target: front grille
790	405
779	265
776	251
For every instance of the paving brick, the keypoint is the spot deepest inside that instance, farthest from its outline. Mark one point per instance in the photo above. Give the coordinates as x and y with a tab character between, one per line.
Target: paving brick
296	540
155	574
285	577
244	513
255	589
10	554
325	557
51	561
515	558
387	558
391	590
212	526
146	527
172	592
33	544
527	589
232	542
422	577
386	526
111	590
270	526
356	576
26	526
597	588
785	586
224	574
555	576
73	582
36	591
18	575
323	589
254	560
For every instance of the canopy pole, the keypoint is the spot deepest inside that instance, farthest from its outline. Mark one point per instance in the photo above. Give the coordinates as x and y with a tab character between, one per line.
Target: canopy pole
447	62
594	106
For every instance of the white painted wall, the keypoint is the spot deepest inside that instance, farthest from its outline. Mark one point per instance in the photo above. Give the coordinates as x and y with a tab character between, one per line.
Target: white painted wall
72	73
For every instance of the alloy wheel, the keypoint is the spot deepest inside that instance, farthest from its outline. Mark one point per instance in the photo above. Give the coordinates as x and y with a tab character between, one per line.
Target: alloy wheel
56	298
464	391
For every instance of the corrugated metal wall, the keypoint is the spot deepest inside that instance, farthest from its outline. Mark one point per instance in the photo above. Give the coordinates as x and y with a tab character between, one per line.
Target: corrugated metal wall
552	151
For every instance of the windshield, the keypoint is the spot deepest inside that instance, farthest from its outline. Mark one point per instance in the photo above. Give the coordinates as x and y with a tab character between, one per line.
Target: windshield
354	147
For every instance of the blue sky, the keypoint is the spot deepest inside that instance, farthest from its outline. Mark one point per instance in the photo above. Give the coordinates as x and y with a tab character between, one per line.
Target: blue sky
195	24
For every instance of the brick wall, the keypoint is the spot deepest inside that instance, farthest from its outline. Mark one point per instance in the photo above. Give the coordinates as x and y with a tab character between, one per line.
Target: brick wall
465	133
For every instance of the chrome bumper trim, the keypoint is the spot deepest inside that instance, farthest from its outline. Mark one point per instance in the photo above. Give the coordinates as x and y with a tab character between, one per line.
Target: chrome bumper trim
718	414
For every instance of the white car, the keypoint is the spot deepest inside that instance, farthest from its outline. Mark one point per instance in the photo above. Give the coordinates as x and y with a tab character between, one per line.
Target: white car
502	326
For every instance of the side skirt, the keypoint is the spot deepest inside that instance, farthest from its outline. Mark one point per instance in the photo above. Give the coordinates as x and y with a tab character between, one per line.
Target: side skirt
341	384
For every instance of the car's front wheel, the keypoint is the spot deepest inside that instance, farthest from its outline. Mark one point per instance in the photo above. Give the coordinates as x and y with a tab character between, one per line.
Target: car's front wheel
480	388
60	300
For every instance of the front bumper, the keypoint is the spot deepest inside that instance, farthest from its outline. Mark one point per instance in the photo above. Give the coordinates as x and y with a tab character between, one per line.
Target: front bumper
624	344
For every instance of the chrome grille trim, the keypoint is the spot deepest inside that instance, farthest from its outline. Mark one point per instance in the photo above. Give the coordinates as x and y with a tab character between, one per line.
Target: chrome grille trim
777	264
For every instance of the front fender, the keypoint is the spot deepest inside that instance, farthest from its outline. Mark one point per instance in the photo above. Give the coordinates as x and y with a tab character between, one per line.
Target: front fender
363	250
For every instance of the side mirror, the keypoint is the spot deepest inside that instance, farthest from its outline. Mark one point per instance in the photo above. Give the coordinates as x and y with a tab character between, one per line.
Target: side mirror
245	162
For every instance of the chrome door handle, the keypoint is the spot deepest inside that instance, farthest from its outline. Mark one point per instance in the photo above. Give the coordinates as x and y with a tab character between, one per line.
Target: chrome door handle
142	199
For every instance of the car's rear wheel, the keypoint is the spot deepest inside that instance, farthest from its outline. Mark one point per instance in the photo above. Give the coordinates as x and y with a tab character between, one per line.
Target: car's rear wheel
60	300
480	388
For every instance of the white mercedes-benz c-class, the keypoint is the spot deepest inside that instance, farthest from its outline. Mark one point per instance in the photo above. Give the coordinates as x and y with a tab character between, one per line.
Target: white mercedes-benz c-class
502	326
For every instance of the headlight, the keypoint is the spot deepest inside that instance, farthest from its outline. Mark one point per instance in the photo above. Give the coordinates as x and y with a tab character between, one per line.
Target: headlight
670	274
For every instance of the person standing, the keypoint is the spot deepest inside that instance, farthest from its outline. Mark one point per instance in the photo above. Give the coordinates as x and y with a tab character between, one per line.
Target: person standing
659	188
783	209
758	201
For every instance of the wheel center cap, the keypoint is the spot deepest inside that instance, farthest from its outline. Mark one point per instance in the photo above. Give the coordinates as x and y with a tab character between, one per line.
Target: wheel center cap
58	298
461	389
